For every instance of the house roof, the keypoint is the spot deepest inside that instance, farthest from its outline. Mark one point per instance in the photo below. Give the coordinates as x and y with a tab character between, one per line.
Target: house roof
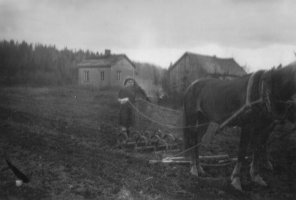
213	64
104	61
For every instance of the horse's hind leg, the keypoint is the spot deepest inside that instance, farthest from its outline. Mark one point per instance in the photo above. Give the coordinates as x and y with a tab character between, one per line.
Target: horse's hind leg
200	130
244	142
190	140
196	168
194	152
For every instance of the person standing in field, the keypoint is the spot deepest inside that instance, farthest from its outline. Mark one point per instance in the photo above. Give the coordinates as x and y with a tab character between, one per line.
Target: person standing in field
127	97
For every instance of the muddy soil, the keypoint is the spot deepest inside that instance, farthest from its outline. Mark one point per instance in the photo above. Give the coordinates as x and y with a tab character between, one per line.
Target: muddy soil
64	140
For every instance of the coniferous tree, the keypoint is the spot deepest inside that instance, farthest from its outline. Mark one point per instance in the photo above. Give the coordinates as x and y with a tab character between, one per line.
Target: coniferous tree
38	64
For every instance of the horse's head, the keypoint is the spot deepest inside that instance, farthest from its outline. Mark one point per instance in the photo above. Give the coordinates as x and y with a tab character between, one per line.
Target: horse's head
283	85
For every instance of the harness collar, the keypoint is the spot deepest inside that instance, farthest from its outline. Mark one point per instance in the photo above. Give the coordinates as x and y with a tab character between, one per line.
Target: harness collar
264	94
249	90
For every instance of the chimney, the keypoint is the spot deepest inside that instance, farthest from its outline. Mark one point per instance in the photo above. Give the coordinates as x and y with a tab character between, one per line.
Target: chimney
107	52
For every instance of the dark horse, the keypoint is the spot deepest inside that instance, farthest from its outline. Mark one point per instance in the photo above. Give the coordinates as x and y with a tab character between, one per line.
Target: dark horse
265	96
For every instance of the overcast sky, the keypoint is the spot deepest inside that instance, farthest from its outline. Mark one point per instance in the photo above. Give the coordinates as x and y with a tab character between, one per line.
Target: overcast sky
256	33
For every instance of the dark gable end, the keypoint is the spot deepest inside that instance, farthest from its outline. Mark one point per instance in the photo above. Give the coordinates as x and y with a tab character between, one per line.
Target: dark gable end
176	63
215	65
131	62
212	64
230	66
191	67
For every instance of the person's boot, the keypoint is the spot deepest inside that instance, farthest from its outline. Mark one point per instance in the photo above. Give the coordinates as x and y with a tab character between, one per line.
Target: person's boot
128	134
122	138
125	135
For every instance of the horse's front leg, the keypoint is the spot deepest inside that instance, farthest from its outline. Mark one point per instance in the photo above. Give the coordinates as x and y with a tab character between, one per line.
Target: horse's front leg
254	170
236	174
264	153
259	156
265	158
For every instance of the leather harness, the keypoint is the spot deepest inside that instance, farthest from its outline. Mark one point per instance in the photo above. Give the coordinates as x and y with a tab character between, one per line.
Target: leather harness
264	98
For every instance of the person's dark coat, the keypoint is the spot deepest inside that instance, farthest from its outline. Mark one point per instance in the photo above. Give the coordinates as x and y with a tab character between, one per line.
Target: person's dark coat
126	114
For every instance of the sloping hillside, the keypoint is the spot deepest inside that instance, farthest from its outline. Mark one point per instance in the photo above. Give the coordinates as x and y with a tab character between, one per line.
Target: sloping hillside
150	78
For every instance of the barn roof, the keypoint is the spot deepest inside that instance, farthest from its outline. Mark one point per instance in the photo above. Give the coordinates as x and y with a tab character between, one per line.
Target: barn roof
104	61
213	64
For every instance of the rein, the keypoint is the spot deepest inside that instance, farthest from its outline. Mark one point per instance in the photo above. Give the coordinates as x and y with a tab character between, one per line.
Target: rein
264	98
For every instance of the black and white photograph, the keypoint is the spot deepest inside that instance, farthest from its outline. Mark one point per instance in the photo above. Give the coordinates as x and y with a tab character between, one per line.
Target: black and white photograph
147	99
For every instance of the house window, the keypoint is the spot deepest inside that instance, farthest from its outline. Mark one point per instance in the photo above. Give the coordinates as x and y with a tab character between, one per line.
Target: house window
102	76
86	76
118	75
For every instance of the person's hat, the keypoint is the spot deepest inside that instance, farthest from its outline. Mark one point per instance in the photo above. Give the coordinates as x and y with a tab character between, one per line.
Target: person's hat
128	79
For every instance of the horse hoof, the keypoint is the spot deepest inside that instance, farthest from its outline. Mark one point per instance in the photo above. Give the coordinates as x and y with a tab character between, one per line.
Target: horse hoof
194	171
201	171
259	180
236	183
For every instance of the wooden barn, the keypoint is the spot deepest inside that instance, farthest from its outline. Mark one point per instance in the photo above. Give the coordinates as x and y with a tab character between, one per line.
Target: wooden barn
193	66
105	70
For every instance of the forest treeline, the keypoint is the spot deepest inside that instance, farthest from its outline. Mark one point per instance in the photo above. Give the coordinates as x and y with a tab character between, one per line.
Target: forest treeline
147	71
38	64
22	63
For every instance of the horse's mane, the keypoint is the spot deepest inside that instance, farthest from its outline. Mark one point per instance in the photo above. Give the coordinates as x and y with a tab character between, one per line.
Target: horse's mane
289	71
283	80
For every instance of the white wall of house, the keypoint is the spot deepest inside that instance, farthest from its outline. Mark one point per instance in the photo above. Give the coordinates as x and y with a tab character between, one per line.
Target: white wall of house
113	76
99	77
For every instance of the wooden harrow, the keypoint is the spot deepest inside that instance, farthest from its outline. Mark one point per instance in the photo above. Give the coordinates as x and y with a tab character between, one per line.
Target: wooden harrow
148	141
209	161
